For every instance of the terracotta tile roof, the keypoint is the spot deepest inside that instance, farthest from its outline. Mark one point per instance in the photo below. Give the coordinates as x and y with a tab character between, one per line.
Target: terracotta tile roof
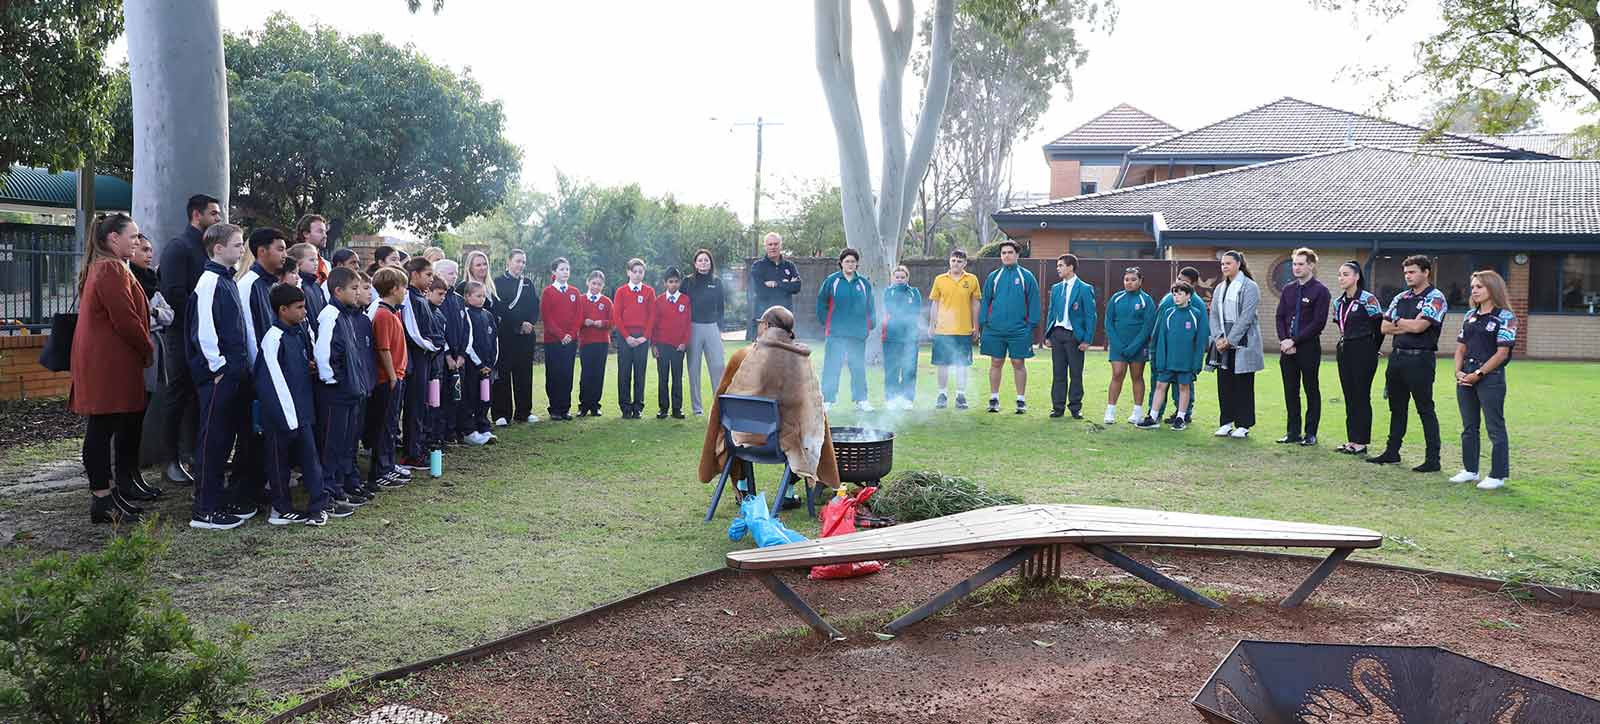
1121	127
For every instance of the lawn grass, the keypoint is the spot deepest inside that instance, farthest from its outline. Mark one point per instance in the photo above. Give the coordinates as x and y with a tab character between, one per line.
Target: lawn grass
560	517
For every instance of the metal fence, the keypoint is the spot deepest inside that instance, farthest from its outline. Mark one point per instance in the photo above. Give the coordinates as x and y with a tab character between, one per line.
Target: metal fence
38	275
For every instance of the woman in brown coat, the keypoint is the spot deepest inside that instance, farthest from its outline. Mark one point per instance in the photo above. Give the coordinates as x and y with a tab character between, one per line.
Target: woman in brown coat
110	349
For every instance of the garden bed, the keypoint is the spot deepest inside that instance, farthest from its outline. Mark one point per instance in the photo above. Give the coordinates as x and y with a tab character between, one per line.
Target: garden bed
1096	646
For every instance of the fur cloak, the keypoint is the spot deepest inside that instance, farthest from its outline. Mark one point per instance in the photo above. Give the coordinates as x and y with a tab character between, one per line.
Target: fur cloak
778	368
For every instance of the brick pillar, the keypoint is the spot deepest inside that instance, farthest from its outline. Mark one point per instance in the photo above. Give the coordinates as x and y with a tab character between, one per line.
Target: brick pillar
1517	289
1066	178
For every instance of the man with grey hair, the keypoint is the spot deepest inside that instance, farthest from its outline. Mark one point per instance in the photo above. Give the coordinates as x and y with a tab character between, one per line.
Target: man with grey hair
774	281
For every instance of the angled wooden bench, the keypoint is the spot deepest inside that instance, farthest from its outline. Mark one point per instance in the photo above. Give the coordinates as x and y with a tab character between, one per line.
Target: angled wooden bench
1036	533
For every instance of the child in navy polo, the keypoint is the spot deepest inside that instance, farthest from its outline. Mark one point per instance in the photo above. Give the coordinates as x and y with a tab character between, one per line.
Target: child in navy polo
283	384
219	362
343	350
594	344
669	331
559	305
483	351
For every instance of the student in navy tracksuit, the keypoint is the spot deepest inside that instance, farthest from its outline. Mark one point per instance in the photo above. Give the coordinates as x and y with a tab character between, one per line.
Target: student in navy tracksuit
420	352
284	387
440	421
483	352
455	414
303	257
343	350
219	363
247	481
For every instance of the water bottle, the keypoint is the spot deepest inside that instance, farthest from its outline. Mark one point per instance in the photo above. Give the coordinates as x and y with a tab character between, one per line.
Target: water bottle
483	390
433	392
436	463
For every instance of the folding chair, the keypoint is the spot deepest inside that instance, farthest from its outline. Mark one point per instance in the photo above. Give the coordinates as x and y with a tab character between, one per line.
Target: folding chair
756	416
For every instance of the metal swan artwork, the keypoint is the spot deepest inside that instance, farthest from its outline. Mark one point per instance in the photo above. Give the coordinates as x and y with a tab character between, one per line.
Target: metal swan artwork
1374	701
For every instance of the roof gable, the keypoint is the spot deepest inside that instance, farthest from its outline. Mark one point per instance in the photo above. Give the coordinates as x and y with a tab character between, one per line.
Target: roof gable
1121	127
1359	189
1292	127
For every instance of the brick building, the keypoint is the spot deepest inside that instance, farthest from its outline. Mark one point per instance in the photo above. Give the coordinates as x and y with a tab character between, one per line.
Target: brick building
1292	174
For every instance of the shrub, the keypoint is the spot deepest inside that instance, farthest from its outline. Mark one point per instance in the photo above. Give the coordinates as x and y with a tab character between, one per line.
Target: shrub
991	250
923	494
88	639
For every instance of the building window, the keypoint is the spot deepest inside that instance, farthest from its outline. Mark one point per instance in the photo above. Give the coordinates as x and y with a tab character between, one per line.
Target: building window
1113	249
1452	274
1564	283
1088	187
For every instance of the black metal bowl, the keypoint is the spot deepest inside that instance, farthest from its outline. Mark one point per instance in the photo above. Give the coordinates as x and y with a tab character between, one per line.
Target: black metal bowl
865	455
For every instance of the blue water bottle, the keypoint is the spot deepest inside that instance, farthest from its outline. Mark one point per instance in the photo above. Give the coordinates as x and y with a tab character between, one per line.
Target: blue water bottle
436	463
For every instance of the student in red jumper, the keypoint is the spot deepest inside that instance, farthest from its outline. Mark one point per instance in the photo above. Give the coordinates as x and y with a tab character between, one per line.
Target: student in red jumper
669	331
632	315
594	344
559	305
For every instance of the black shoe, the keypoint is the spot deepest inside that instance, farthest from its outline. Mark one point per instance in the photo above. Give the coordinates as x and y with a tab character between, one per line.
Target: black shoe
1388	457
103	509
123	504
994	405
1308	441
1172	419
1077	415
389	482
941	402
1058	413
1430	466
961	402
1179	423
1148	423
662	415
339	510
1288	439
215	521
131	490
178	474
241	511
136	479
594	412
791	502
356	498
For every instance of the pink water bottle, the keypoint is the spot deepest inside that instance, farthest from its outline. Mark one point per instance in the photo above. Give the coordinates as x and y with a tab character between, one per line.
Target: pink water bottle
433	393
483	390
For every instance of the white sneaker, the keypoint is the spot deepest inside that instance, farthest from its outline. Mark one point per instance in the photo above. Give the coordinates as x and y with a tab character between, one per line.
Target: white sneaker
1136	416
533	418
1491	484
1111	415
500	422
477	438
864	406
1465	476
1225	430
1240	432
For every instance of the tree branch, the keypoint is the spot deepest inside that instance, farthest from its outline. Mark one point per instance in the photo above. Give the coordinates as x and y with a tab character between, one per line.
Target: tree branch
1558	60
934	98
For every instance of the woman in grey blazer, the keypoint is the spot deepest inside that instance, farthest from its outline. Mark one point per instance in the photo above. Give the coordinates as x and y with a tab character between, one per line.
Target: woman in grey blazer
1236	335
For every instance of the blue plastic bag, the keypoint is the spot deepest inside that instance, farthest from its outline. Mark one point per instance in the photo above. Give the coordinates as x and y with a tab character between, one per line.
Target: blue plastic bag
756	519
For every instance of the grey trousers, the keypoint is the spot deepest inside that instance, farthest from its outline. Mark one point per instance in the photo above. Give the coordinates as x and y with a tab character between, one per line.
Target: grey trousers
1487	400
704	340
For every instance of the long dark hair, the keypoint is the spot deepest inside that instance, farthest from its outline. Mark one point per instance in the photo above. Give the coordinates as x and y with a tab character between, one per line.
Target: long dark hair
96	249
1244	268
709	256
1361	275
379	255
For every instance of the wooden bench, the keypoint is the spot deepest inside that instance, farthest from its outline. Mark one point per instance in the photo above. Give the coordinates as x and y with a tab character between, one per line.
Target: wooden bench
1036	533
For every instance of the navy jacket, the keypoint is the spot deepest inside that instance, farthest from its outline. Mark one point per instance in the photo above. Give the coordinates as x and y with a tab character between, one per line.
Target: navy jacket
787	276
283	378
516	301
484	349
417	318
255	297
456	332
343	350
215	327
315	299
182	261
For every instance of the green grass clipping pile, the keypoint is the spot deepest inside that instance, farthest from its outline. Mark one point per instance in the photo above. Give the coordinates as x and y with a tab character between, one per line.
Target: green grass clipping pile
923	494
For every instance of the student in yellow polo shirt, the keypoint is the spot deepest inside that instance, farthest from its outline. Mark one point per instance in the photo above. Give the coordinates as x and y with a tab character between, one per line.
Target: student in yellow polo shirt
951	316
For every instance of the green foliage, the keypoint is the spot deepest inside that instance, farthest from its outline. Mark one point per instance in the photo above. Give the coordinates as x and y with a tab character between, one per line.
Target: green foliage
1523	568
1484	111
89	639
812	220
924	494
992	250
53	82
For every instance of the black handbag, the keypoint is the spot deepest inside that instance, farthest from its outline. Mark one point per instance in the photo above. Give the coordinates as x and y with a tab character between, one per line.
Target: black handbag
57	353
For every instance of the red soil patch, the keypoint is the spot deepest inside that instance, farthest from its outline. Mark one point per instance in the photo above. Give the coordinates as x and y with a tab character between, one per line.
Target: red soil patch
682	657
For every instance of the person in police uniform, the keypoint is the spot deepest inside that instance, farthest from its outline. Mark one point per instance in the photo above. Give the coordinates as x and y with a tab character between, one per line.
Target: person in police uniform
1483	349
1414	318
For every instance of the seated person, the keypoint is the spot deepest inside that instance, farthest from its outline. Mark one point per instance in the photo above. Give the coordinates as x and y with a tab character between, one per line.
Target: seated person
776	367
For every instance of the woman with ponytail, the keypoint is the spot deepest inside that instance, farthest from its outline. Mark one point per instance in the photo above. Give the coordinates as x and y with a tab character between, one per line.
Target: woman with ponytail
1236	337
1359	316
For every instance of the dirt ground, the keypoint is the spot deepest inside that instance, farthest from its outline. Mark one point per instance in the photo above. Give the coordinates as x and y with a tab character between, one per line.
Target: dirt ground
1098	647
28	422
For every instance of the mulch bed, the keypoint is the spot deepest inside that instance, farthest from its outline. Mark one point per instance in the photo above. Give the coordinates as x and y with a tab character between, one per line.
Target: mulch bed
29	422
729	652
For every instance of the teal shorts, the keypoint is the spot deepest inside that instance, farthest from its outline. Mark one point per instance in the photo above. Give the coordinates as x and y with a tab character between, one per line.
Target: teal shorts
1017	345
1173	377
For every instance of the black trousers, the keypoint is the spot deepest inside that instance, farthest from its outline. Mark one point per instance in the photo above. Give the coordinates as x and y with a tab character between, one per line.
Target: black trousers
1236	398
180	406
286	449
1409	378
592	381
414	430
669	370
1300	370
512	396
1066	361
474	409
631	364
1358	364
558	361
383	416
221	418
109	437
247	476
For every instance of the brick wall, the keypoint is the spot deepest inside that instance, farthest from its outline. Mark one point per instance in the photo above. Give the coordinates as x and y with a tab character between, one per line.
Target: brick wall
21	377
1051	243
1065	175
1560	336
1517	289
1261	262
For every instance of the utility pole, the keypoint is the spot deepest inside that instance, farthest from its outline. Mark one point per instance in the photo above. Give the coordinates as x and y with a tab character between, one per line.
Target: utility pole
755	214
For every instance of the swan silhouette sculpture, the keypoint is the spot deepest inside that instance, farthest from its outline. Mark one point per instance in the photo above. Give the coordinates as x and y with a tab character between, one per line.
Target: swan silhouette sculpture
1372	701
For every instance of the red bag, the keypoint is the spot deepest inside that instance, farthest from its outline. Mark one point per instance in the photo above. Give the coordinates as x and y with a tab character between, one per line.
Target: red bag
839	518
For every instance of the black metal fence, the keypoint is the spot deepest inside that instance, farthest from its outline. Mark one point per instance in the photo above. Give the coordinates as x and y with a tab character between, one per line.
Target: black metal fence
38	274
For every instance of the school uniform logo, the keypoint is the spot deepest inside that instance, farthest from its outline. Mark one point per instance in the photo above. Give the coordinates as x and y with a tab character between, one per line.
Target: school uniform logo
680	308
572	297
1138	305
1492	327
602	307
641	299
1188	325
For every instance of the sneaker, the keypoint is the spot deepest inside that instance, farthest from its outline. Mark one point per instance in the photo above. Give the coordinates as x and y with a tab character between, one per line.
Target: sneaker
1171	419
1148	423
215	521
662	415
679	415
994	404
1492	484
532	419
409	464
941	402
286	518
1180	424
961	402
478	438
1465	476
318	520
355	499
339	510
389	483
1224	431
400	471
1022	407
1111	417
1240	433
863	406
499	422
1135	415
242	512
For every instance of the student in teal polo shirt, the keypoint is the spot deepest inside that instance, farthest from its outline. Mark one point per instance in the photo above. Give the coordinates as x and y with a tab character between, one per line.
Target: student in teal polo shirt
1068	330
1178	349
1130	318
902	328
1192	276
845	309
1009	310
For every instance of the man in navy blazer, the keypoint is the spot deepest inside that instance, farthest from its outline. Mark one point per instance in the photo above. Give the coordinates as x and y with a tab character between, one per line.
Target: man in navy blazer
1068	330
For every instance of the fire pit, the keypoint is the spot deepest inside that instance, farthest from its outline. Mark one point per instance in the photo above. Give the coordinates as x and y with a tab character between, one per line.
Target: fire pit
865	455
1275	681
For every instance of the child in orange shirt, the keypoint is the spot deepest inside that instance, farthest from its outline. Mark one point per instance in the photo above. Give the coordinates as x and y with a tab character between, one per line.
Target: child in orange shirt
383	408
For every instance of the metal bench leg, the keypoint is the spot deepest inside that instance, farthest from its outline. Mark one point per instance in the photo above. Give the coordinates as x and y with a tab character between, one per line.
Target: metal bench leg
716	496
1148	575
995	570
1318	575
799	606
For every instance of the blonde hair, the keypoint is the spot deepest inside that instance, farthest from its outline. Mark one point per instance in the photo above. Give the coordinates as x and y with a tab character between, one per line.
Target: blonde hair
488	273
302	251
1306	252
1496	285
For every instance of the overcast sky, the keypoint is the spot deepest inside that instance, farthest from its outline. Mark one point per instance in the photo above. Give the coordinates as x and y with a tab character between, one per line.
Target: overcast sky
619	92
